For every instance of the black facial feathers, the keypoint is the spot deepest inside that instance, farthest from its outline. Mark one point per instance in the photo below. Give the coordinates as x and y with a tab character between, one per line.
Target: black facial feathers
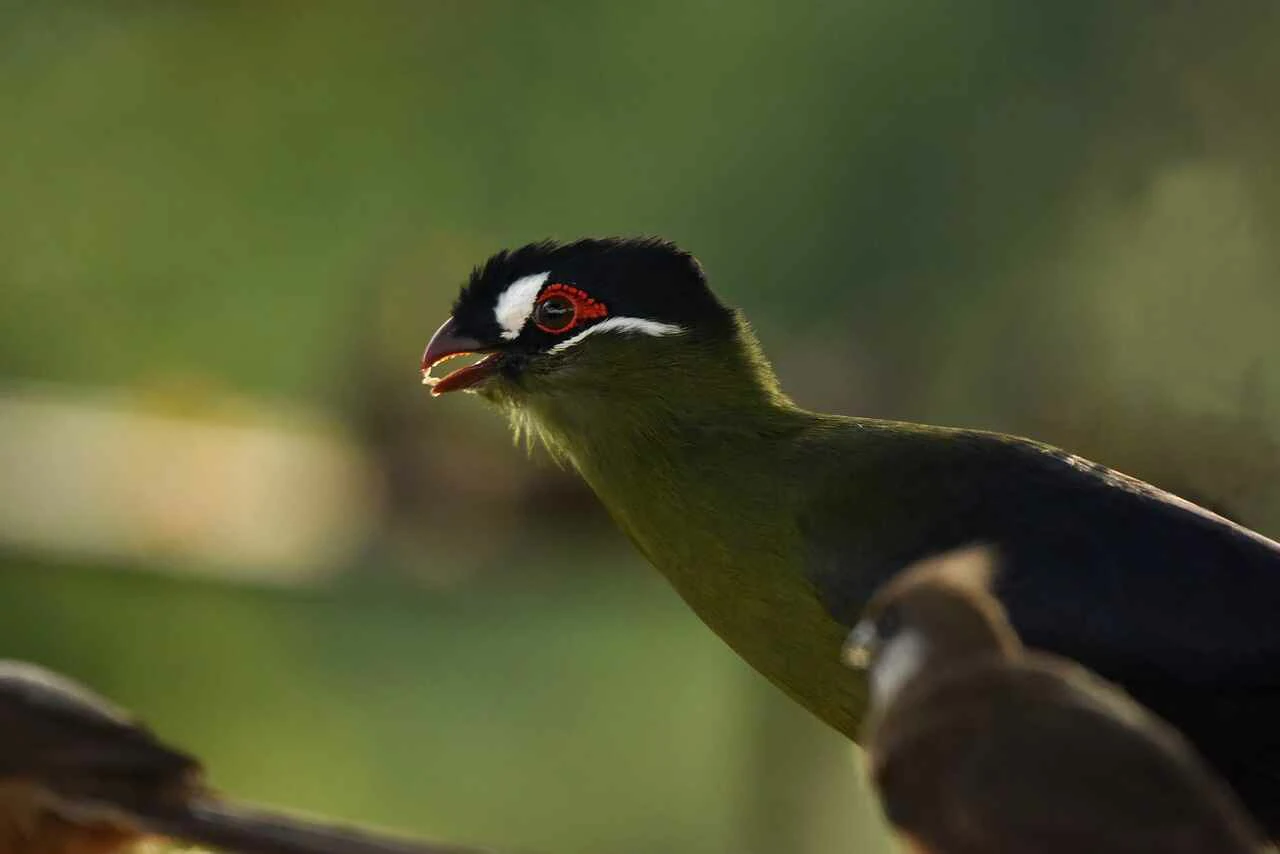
646	278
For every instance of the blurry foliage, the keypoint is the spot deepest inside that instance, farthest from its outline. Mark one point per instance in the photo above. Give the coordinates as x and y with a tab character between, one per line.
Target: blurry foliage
1053	219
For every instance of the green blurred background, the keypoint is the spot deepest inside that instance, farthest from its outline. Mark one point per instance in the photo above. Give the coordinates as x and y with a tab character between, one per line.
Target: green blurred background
227	230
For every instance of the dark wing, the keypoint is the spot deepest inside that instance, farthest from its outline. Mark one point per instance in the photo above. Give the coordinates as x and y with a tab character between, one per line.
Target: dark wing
1042	757
1179	605
1093	564
61	735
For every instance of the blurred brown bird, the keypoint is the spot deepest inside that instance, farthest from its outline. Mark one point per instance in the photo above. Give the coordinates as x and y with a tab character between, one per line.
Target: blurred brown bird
976	746
80	776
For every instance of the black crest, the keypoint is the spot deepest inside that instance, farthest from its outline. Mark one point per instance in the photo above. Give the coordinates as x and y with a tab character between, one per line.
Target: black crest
646	278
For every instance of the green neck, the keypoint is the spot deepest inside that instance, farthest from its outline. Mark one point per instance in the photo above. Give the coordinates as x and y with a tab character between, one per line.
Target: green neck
656	445
693	450
639	397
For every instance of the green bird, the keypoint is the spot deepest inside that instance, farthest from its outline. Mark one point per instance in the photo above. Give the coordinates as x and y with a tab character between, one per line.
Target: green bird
776	524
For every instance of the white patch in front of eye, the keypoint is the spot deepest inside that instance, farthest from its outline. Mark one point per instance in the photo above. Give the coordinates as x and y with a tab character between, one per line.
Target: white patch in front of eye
896	664
620	324
515	304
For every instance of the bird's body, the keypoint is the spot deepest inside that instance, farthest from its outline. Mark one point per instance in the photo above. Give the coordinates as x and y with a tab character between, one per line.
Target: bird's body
80	776
775	524
976	745
31	824
1038	756
75	770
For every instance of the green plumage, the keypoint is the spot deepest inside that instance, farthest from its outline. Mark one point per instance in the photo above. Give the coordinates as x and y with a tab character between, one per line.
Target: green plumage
777	524
708	480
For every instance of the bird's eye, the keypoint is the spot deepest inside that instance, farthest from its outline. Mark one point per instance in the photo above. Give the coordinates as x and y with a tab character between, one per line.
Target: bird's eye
890	622
562	307
554	313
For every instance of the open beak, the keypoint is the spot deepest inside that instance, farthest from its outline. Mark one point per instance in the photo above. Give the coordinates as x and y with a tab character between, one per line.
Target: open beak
860	646
447	344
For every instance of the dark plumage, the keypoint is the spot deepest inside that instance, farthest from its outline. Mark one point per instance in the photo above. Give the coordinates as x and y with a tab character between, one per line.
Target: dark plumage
79	776
652	277
776	524
1173	602
976	746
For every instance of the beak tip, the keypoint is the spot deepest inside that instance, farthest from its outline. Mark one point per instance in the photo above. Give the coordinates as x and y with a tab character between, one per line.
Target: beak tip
446	343
856	652
857	657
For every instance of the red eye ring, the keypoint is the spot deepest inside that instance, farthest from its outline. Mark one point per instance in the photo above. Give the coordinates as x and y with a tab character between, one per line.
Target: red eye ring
561	307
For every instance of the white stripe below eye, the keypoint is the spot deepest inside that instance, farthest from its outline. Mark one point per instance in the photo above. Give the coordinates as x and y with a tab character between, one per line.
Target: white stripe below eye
515	304
620	324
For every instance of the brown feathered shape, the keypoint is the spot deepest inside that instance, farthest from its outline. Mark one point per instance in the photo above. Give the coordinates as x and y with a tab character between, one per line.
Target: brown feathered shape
977	746
80	776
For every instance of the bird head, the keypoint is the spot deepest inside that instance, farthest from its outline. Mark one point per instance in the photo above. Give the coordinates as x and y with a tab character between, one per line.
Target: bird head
935	612
595	314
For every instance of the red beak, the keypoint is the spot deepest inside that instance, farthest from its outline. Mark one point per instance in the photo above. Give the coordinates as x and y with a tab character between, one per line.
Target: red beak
447	344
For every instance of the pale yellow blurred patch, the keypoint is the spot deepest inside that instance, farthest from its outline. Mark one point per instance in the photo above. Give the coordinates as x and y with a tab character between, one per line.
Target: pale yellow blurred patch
250	490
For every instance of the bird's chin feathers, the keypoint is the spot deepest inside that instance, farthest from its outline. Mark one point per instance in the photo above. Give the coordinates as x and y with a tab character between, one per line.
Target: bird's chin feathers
527	429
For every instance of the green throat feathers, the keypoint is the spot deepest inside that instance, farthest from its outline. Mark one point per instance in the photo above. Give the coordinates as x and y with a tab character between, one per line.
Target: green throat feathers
707	479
